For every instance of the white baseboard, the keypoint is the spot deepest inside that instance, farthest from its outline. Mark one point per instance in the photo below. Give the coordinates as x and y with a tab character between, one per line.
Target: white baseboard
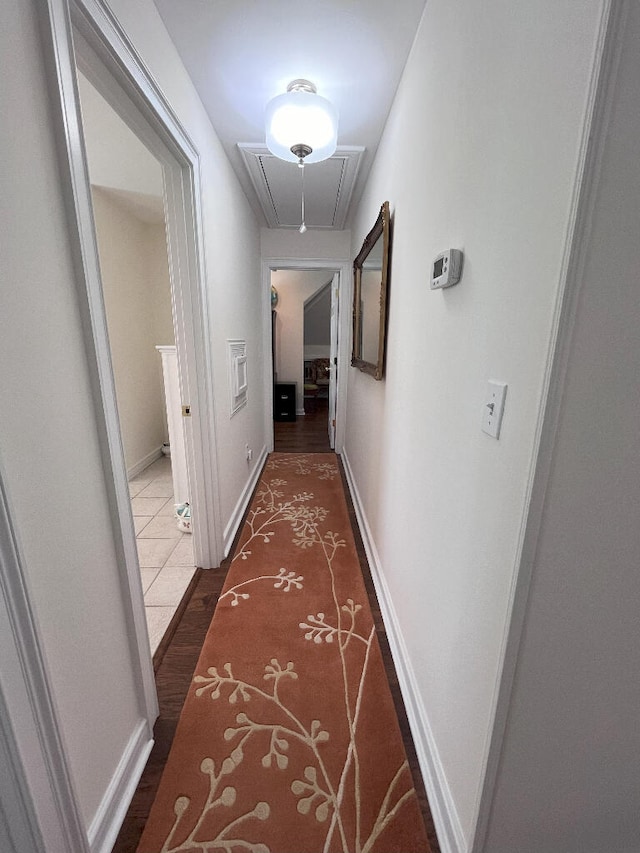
236	516
300	412
144	463
443	810
107	821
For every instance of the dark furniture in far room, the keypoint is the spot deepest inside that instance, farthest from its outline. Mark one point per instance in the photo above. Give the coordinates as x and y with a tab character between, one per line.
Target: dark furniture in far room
284	401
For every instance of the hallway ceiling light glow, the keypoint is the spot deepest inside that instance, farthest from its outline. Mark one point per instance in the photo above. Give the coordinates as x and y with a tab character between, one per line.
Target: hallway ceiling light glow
301	126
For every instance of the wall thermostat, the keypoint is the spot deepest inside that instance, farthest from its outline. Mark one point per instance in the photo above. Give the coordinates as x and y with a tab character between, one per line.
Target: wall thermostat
446	269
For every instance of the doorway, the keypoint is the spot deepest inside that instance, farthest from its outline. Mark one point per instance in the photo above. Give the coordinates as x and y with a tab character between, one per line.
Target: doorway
128	210
100	52
304	311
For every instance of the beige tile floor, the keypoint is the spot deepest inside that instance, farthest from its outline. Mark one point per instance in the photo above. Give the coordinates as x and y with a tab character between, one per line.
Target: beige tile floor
164	552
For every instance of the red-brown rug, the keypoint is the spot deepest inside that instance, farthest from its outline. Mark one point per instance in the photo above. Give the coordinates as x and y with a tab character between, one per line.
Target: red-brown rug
288	741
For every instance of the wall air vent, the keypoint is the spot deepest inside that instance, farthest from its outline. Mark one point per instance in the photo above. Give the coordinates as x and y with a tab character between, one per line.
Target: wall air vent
238	379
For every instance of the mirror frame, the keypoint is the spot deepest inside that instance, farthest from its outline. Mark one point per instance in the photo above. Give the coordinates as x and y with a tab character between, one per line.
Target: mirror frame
382	227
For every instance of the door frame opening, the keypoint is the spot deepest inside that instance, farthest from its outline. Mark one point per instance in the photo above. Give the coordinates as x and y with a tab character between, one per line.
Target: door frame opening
84	35
345	287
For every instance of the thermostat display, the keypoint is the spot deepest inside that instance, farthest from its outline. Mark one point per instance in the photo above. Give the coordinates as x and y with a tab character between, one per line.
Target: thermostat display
446	269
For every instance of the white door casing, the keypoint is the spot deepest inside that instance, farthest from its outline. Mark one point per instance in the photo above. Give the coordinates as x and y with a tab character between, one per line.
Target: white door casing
157	127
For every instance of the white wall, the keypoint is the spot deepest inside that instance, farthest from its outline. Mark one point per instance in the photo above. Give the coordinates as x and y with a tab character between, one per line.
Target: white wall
492	100
315	244
294	288
569	774
49	439
137	297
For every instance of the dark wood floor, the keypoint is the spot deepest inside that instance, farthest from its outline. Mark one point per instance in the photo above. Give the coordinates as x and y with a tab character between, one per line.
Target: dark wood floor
308	433
178	653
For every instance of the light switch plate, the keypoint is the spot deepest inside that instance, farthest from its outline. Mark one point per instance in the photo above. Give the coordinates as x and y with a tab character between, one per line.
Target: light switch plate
493	408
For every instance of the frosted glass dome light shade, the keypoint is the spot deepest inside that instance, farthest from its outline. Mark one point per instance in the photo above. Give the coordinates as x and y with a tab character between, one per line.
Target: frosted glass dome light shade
300	117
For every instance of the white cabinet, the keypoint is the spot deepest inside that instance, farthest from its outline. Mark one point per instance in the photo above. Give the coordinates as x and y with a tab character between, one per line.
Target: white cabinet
175	423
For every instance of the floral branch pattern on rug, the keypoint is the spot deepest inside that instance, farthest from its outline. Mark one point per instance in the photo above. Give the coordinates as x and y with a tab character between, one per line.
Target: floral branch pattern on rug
270	510
280	733
304	463
321	631
284	580
273	731
227	798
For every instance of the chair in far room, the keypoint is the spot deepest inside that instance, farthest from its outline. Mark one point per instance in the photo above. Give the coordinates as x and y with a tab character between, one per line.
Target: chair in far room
316	382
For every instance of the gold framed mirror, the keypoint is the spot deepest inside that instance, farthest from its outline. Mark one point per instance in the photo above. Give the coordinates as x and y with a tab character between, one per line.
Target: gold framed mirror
370	290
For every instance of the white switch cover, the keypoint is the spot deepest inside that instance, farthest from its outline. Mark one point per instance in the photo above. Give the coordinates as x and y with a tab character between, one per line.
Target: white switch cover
493	409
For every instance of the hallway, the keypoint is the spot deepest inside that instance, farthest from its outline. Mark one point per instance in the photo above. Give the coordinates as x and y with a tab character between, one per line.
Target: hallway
177	657
505	566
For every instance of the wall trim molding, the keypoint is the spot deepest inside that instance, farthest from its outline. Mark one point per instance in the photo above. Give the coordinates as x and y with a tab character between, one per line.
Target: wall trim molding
147	460
46	795
108	819
243	502
445	815
18	826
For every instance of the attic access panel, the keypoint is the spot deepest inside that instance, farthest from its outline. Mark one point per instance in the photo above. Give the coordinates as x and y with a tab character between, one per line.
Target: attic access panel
278	185
321	190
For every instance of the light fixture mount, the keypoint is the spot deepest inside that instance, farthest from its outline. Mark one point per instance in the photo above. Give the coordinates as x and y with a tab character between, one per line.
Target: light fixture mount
302	85
301	126
301	151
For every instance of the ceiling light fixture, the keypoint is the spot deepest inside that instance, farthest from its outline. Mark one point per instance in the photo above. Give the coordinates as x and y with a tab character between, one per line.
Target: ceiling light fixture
301	126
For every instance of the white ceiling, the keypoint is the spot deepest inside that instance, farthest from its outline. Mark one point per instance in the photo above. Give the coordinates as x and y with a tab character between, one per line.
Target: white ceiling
241	53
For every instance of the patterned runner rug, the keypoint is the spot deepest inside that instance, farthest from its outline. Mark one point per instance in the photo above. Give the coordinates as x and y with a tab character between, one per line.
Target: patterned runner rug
288	741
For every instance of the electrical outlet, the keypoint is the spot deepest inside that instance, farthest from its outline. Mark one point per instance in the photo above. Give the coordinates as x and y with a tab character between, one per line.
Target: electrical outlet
248	453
